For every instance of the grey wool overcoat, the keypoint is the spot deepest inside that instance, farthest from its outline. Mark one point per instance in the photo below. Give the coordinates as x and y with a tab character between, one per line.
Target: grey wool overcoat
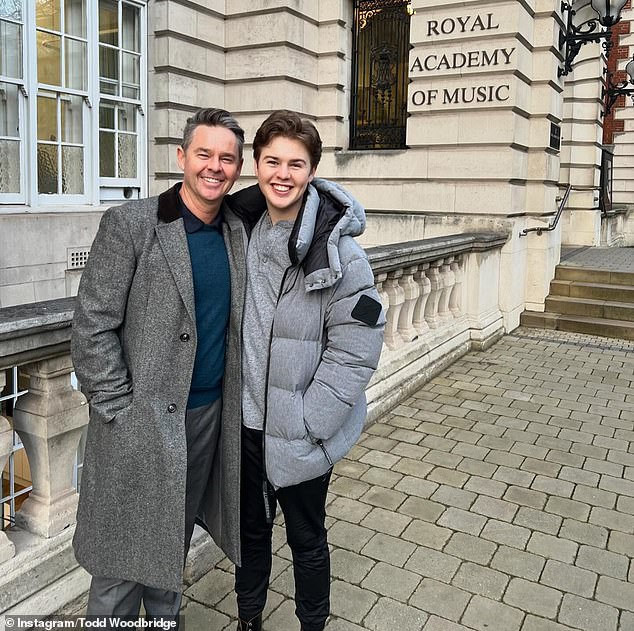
133	346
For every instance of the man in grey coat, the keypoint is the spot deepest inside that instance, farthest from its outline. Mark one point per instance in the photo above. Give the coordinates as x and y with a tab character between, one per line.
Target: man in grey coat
163	285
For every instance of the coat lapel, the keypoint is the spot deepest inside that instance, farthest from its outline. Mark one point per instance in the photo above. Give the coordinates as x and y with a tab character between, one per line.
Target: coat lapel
173	242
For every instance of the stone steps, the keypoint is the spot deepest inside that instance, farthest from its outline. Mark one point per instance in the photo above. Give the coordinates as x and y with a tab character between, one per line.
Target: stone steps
593	291
596	302
578	324
589	307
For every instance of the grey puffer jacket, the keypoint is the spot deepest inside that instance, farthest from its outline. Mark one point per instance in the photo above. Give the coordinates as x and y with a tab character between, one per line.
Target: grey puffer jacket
326	340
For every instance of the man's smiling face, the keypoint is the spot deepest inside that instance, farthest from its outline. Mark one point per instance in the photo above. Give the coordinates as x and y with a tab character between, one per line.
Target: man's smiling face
211	164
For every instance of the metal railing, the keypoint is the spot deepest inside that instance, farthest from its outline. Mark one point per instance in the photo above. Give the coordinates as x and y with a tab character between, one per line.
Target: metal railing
9	492
553	225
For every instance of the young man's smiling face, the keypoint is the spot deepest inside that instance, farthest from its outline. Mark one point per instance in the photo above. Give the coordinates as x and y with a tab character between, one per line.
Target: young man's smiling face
284	171
211	164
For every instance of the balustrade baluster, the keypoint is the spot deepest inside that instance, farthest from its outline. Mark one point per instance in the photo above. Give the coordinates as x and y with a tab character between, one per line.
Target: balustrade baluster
396	297
49	420
411	292
424	288
431	308
448	281
7	549
455	299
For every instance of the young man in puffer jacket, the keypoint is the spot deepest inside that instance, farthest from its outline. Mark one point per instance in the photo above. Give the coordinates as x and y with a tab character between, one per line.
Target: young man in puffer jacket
312	335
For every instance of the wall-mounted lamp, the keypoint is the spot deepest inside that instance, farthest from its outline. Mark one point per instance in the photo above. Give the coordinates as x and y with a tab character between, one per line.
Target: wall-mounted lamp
576	35
613	91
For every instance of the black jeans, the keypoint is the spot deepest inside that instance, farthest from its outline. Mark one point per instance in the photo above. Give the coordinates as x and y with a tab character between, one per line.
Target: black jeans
304	508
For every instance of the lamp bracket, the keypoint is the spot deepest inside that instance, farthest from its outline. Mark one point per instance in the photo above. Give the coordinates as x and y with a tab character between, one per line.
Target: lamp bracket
576	35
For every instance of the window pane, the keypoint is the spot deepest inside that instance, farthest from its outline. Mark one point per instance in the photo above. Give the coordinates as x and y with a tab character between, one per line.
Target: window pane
76	64
131	30
106	115
130	93
10	49
127	117
72	121
109	70
9	166
106	154
127	155
47	14
48	59
131	71
75	17
108	22
11	9
72	170
47	119
9	110
47	169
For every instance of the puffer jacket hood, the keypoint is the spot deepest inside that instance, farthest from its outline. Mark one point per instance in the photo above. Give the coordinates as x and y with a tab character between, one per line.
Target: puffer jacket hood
328	213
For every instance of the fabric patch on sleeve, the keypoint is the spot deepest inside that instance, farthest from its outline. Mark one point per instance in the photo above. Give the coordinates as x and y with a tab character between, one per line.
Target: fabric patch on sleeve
367	310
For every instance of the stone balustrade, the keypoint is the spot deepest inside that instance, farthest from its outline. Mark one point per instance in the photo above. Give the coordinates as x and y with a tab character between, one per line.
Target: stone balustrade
441	297
441	300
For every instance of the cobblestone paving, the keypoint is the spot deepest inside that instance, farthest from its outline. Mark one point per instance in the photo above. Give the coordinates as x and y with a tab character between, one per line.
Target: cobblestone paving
499	497
611	259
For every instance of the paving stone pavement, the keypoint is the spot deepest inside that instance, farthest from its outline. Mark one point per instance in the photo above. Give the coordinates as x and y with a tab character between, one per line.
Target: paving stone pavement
602	258
499	497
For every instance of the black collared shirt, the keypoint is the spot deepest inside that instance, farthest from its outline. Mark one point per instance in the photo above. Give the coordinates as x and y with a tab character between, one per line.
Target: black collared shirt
193	223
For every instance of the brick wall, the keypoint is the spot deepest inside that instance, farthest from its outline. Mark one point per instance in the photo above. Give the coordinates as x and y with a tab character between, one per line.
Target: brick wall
611	125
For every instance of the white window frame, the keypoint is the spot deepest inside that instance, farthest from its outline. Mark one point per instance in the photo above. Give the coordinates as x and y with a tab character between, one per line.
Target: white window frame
29	199
20	198
108	184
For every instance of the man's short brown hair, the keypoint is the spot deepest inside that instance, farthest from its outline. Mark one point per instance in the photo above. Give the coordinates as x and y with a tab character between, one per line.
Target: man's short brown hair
288	124
213	117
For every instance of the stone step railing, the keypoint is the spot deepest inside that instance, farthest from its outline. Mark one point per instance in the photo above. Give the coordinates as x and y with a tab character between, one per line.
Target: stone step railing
440	297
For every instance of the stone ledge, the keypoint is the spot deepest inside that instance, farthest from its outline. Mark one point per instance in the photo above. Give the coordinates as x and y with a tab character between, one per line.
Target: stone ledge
385	258
35	331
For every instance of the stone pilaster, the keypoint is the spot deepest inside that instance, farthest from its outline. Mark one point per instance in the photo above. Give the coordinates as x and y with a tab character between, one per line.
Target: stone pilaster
49	420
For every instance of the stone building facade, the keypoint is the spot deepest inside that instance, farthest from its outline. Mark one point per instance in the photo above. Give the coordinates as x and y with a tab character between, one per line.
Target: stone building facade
441	117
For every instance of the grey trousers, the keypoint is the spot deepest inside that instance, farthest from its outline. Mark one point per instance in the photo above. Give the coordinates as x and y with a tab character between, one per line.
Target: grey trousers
116	597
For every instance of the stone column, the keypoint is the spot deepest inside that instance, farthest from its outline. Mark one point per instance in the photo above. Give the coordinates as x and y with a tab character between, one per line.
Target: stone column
7	549
49	420
411	292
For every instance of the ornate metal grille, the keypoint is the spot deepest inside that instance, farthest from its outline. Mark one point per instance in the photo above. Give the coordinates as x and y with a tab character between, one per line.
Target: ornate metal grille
380	55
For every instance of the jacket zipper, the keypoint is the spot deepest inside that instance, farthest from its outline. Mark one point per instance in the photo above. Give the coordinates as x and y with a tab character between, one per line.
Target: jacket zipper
266	490
320	442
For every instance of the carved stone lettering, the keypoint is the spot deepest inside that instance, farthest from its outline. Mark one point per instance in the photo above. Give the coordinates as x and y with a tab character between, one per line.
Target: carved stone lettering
462	95
458	60
479	94
468	24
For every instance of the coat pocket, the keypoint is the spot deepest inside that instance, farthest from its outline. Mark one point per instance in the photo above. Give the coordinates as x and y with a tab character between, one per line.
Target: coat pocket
106	412
285	414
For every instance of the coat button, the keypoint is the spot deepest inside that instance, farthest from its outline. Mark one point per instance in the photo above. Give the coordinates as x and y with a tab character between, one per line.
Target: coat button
184	337
171	408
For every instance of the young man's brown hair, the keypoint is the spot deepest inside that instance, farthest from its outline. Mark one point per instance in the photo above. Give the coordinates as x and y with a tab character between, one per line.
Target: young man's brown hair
288	124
